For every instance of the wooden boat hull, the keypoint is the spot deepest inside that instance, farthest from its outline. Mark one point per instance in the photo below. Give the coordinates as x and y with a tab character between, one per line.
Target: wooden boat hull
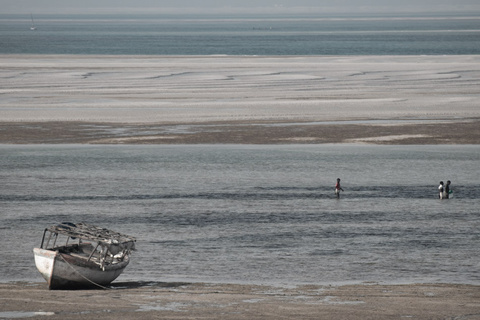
63	271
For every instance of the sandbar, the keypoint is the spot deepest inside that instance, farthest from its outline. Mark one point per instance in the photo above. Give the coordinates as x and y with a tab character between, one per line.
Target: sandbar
239	99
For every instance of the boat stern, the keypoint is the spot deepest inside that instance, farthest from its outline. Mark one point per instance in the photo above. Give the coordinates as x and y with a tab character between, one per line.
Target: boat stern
45	261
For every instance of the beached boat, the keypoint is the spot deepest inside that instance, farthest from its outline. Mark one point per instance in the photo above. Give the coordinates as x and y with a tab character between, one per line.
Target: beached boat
78	255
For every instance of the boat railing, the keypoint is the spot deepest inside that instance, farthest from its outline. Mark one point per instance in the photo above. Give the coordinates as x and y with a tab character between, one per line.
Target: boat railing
87	251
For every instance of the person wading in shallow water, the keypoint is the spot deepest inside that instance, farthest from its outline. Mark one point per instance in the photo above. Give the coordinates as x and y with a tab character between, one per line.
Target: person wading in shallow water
440	190
447	190
338	188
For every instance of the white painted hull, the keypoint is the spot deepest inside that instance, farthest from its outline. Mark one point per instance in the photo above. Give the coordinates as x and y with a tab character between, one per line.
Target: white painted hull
63	271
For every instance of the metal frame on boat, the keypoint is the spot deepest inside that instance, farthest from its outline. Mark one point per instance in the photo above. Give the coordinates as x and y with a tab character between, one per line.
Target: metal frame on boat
78	255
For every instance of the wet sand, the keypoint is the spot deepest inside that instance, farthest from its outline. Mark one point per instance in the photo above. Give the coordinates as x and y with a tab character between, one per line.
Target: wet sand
233	99
158	300
461	132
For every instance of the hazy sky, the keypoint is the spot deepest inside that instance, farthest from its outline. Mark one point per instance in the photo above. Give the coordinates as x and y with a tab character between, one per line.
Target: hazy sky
236	6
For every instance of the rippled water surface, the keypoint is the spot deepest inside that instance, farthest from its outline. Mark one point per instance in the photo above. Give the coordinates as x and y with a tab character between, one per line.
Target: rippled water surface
255	214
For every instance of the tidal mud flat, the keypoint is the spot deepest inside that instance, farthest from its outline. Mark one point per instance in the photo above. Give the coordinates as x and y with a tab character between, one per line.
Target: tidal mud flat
158	300
240	100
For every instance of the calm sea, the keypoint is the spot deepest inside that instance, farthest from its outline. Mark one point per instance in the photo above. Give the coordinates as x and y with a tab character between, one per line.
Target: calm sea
253	214
240	35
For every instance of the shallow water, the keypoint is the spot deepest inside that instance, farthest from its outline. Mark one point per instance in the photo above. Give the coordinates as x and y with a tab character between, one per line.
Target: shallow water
253	214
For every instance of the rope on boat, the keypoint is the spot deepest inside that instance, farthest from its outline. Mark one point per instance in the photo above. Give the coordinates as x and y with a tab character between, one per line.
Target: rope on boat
81	275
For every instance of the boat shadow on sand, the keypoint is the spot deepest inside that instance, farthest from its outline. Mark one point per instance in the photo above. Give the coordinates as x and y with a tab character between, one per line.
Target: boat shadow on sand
127	285
144	284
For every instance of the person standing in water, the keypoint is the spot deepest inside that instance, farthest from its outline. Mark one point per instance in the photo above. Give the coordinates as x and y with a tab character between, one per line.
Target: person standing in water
447	190
440	190
338	188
